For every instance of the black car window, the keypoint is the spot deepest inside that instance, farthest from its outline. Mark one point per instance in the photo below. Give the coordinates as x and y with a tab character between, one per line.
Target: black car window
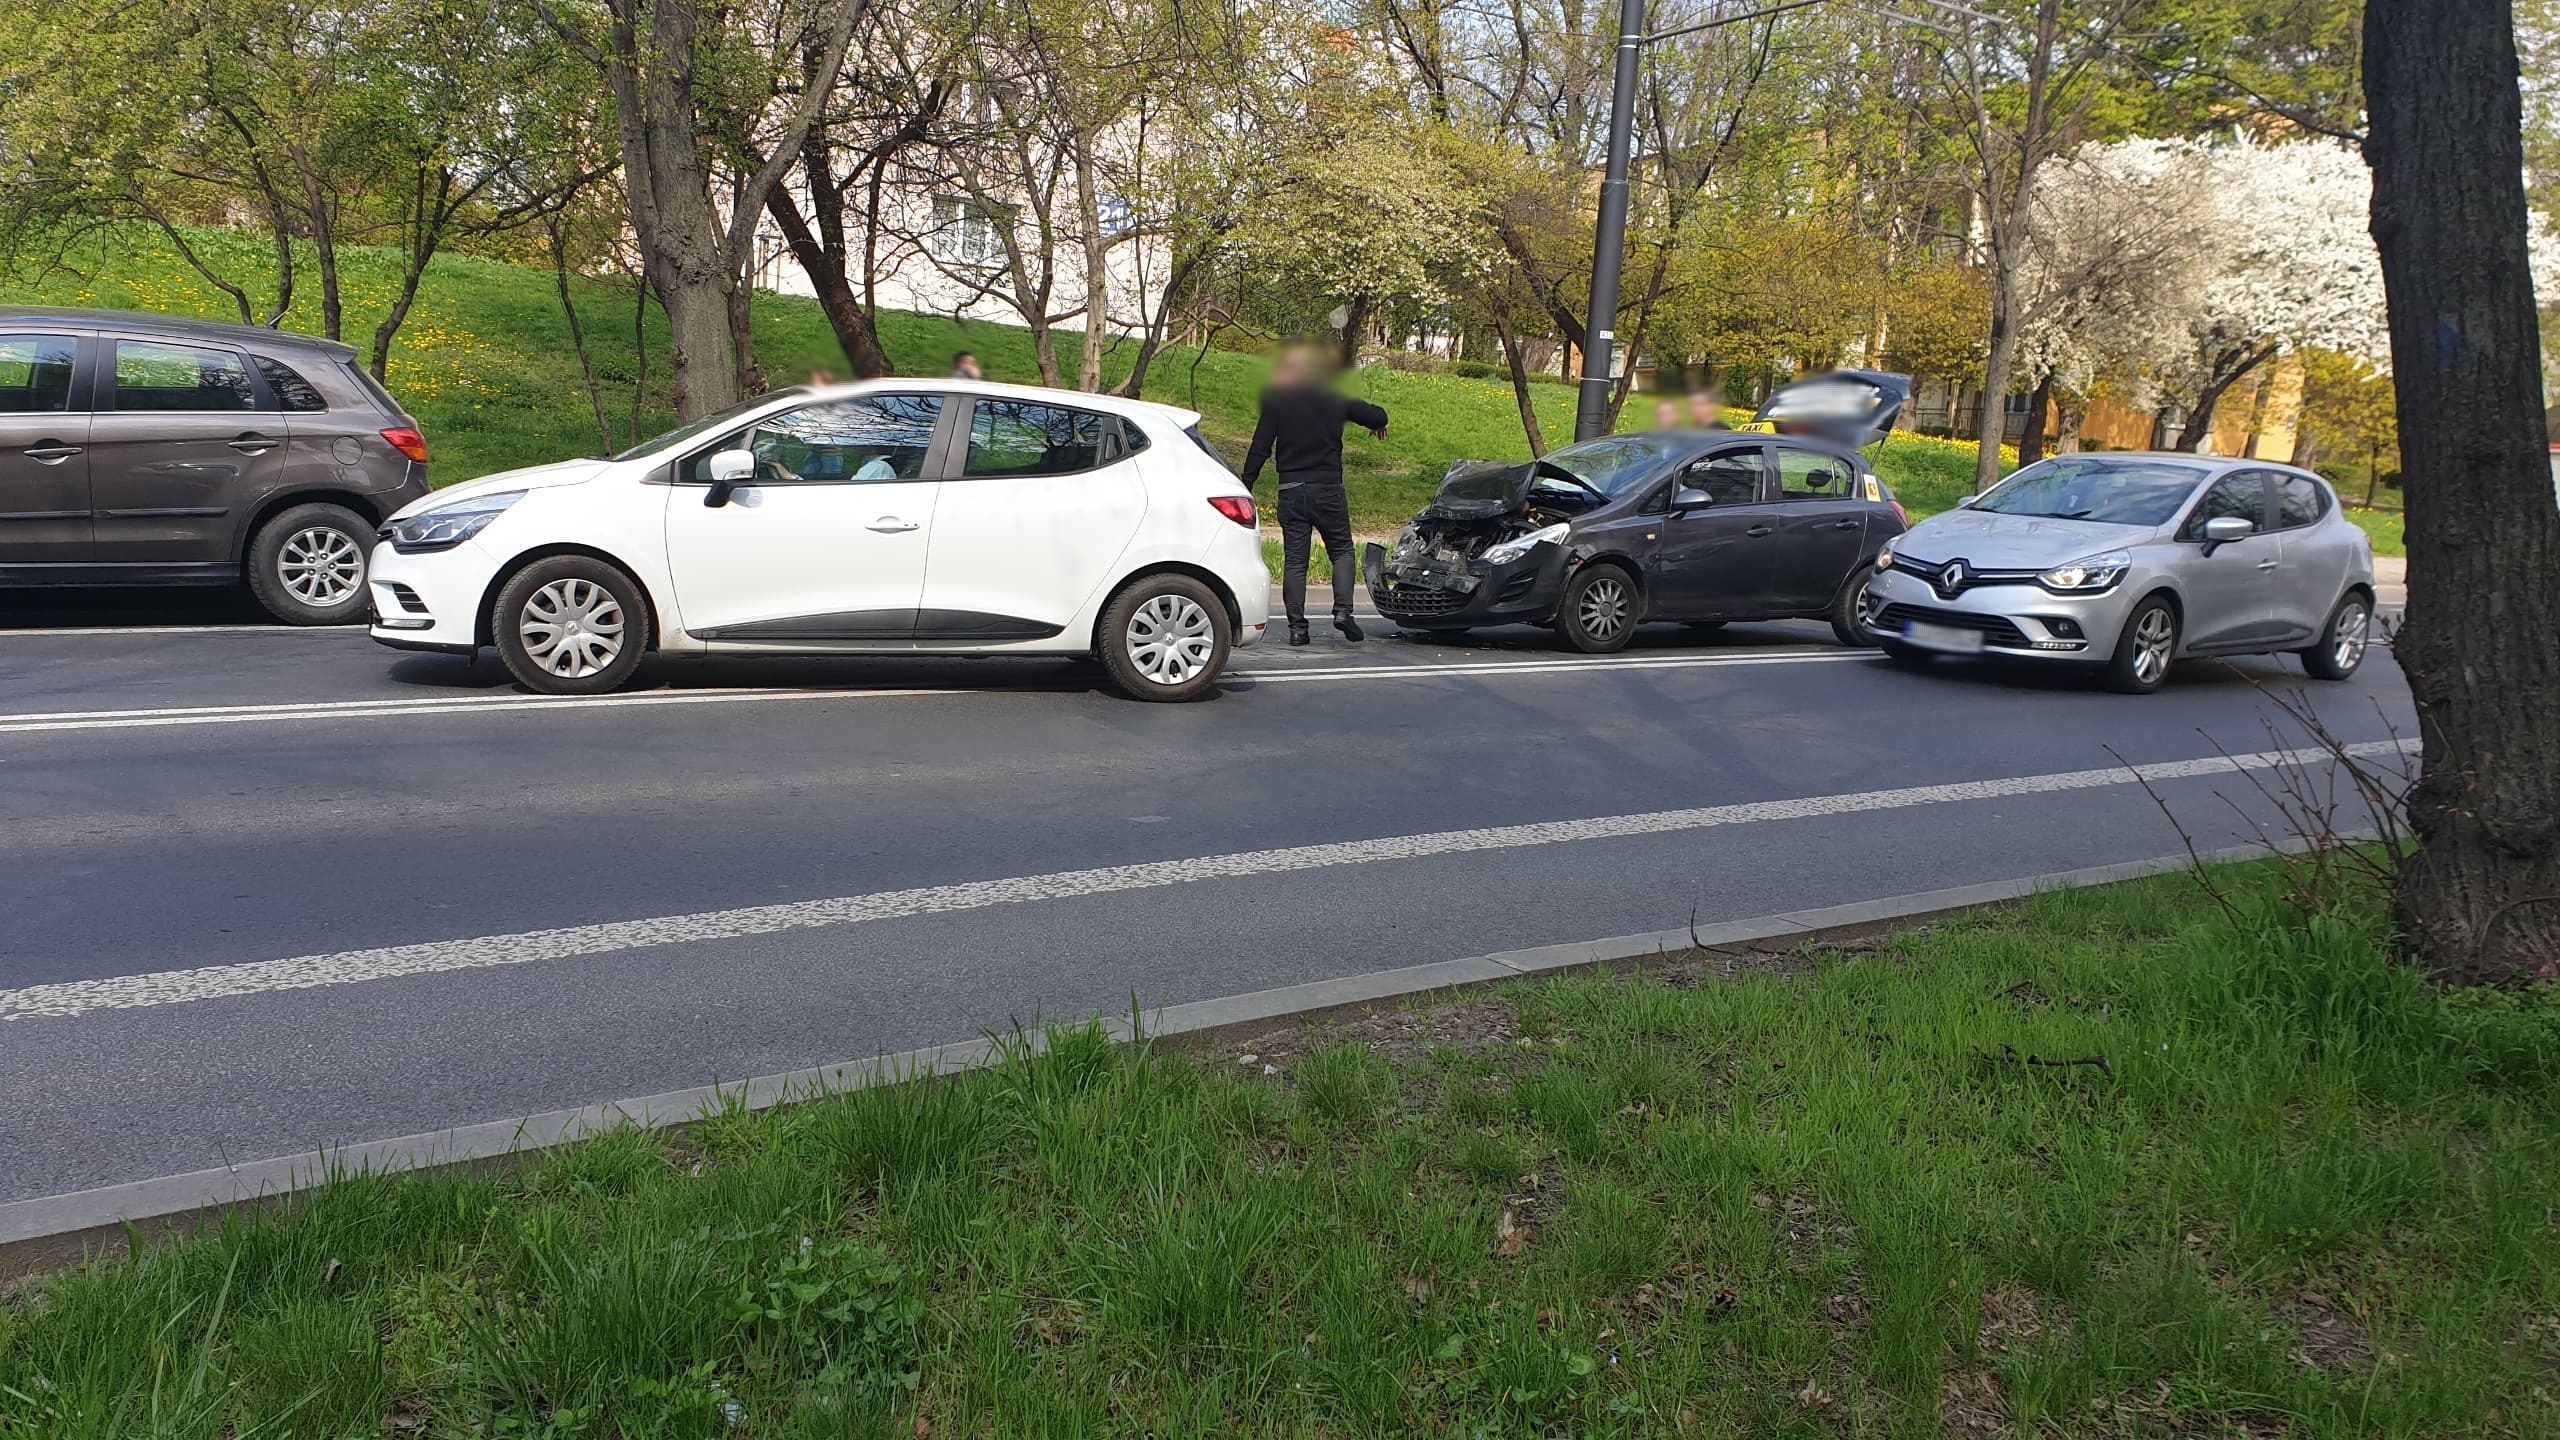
292	392
2242	495
1017	437
869	438
1812	475
1730	478
152	375
1613	465
2300	500
35	373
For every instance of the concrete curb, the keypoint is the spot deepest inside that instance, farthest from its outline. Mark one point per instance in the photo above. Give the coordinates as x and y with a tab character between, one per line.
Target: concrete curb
57	1230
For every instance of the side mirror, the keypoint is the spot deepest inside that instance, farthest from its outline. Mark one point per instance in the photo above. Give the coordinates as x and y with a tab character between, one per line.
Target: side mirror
1690	497
729	470
1965	502
2223	529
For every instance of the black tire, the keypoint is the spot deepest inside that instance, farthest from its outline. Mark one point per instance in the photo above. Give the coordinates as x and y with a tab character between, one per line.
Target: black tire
1187	614
1848	610
307	565
1600	610
589	624
2343	640
1903	654
2145	649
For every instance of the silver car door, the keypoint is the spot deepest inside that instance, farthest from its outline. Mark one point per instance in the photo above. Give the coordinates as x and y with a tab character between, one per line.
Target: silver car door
2224	588
2318	549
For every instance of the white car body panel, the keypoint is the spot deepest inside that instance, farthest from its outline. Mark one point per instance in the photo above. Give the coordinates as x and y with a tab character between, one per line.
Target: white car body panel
799	564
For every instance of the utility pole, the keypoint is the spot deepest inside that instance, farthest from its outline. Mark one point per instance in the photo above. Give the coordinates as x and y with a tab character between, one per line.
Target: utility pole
1608	260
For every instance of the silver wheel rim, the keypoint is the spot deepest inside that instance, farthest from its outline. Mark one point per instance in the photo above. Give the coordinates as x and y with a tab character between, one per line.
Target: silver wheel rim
2355	625
571	628
1602	610
321	566
2152	636
1170	639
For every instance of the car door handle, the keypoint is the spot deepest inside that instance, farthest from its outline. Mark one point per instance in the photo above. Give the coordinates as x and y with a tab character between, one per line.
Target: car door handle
2267	564
892	525
49	453
1759	530
1847	524
253	444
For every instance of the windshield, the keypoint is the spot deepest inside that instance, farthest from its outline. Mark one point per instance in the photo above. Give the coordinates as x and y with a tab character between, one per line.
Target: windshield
2131	491
682	435
1614	464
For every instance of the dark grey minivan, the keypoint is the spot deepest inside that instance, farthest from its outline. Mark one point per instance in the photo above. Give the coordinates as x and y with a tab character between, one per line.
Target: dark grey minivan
153	450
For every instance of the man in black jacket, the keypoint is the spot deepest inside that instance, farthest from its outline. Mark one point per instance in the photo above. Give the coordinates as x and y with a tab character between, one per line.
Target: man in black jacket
1301	433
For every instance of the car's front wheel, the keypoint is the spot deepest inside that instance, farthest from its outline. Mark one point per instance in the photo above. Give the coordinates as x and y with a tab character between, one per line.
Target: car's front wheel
307	565
571	625
1600	609
2342	641
2145	648
1165	637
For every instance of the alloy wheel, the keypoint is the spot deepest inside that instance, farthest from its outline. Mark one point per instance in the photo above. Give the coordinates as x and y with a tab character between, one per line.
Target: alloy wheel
1170	639
1603	608
2355	626
321	566
2153	636
572	627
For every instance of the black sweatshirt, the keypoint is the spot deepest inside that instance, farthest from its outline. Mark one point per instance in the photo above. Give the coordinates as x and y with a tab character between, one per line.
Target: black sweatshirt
1301	433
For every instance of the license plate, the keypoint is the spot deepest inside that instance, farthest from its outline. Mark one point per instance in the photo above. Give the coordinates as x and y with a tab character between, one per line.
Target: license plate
1942	637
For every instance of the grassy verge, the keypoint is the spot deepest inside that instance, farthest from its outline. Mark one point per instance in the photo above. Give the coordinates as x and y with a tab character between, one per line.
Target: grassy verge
2276	1188
488	365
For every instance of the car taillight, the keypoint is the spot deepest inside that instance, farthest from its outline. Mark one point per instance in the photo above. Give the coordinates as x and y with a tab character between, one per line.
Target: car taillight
1238	508
1901	514
407	441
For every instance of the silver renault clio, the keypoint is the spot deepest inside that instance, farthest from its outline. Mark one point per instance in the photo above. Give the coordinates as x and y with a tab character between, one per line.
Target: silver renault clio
2131	561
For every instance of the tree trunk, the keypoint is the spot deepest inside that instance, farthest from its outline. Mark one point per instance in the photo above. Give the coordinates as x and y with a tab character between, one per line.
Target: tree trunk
1995	386
2031	440
552	227
2071	416
2229	368
1354	326
1513	357
2480	900
824	265
1097	268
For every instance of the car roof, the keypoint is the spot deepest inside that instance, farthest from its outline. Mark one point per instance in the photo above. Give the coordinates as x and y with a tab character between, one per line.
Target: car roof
955	385
184	326
2212	464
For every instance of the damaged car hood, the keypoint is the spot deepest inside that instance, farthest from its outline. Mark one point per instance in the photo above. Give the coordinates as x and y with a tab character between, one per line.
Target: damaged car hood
1483	489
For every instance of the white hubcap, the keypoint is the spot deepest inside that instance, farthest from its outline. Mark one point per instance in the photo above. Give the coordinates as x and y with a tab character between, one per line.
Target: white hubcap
2355	627
2153	636
321	566
1170	639
572	628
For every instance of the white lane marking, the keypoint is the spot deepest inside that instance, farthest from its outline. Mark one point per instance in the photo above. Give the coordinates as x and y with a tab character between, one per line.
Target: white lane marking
475	704
349	967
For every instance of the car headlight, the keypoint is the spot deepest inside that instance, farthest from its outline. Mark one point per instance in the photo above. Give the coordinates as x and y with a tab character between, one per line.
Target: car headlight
1884	557
2081	577
1404	541
446	526
1517	546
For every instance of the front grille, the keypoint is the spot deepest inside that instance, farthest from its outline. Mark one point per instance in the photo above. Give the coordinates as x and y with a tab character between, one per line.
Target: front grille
1967	576
407	597
1403	601
1996	629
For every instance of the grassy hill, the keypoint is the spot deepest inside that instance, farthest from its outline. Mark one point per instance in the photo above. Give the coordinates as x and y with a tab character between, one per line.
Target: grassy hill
487	365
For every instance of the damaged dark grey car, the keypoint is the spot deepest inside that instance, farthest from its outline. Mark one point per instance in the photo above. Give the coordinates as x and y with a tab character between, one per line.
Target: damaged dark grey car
1699	526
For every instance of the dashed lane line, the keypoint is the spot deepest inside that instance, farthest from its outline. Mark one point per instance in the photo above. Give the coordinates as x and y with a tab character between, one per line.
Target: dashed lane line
64	720
351	967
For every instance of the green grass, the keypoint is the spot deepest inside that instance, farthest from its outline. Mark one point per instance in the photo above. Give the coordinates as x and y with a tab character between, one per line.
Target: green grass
487	365
2302	1195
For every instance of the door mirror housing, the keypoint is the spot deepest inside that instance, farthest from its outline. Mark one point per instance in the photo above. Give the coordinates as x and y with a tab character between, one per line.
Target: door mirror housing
2223	529
728	469
1690	497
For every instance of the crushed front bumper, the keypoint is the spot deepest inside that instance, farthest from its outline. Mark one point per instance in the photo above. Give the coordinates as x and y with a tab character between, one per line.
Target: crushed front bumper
1429	593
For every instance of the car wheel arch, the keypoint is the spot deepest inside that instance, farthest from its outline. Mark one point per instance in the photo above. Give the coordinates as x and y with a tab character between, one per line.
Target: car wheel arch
271	506
1206	576
484	629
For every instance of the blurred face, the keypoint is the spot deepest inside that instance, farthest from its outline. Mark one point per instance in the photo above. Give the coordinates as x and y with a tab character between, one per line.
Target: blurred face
1702	408
966	367
1666	415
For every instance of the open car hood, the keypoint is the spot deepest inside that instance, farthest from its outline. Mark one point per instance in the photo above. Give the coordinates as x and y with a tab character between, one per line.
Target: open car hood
1482	489
1847	407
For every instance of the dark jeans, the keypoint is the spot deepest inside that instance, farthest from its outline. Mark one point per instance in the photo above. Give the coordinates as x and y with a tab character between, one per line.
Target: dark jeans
1324	509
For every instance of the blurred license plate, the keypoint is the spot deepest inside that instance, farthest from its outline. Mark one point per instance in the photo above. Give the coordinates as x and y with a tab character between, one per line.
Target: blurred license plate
1941	637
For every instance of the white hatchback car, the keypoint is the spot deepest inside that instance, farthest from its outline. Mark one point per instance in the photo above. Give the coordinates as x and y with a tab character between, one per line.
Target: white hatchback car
888	517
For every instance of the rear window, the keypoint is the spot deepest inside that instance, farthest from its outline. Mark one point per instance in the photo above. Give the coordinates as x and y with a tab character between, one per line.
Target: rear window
291	390
1205	447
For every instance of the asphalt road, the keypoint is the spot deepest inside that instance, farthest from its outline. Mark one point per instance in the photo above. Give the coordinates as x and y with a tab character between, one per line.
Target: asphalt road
266	890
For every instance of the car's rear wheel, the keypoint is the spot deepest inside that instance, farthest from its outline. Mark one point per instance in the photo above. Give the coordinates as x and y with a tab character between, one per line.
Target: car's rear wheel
307	565
2343	641
1600	609
571	625
2145	649
1165	637
1849	610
